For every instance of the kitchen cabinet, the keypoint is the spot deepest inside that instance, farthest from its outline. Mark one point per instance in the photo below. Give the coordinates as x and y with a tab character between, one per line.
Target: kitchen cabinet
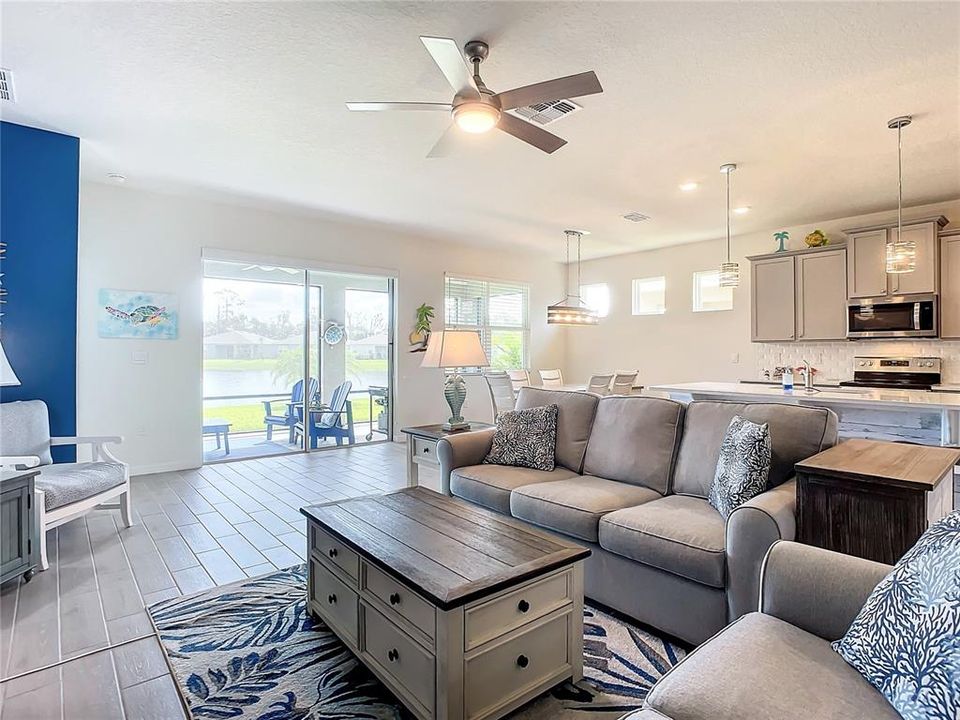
772	299
867	274
821	295
950	285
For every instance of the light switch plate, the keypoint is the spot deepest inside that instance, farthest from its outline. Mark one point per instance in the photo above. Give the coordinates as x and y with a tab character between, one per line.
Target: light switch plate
139	357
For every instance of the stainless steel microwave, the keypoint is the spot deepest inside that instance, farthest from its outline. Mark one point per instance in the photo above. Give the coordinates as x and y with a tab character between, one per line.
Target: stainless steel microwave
892	317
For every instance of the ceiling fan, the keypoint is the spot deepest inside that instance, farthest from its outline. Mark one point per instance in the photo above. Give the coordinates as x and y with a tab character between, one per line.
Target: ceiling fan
477	109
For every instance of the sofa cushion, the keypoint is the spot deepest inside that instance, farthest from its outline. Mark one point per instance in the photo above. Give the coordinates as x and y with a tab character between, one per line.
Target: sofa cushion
490	485
575	506
680	534
634	440
525	438
575	412
66	483
796	433
25	430
765	669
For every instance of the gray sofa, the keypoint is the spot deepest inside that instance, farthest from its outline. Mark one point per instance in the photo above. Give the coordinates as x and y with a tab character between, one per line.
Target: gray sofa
631	482
777	664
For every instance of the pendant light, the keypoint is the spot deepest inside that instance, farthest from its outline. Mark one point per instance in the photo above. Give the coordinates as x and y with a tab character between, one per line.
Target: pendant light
729	271
901	254
572	310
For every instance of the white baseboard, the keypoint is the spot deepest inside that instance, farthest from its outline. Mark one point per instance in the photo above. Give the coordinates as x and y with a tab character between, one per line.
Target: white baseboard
159	468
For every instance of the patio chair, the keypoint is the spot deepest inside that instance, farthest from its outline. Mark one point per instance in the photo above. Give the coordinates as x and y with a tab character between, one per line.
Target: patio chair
600	384
623	382
290	418
519	379
501	392
334	420
63	491
551	378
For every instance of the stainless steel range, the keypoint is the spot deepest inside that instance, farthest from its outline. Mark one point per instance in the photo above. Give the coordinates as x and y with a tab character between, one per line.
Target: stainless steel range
904	373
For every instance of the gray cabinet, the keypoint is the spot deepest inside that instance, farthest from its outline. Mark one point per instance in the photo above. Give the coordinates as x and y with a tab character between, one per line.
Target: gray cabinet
821	294
867	274
924	278
17	541
950	285
772	299
867	264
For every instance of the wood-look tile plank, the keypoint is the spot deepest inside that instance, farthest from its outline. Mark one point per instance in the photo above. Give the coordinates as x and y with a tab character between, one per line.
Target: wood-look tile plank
160	526
232	513
197	537
176	553
193	580
139	661
257	536
179	513
82	625
155	699
221	566
283	557
216	524
242	552
90	688
258	570
128	627
36	628
35	700
270	522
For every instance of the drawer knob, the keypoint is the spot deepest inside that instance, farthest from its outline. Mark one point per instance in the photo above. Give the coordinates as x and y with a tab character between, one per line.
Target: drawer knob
393	655
394	598
523	606
523	661
332	552
426	450
331	598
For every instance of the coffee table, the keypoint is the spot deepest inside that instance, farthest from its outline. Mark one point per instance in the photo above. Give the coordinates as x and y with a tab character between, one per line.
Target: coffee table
464	614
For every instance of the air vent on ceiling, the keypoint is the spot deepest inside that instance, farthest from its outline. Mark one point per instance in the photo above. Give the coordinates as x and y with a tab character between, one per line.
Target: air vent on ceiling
546	112
636	217
6	85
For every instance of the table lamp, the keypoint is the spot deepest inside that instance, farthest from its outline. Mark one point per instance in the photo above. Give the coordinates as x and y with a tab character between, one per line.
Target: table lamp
455	349
7	375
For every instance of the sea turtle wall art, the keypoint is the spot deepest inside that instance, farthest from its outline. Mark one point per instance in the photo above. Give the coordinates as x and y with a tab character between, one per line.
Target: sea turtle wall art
143	315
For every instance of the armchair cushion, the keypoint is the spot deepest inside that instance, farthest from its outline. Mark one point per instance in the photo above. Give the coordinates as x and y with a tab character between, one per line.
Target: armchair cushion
67	483
25	429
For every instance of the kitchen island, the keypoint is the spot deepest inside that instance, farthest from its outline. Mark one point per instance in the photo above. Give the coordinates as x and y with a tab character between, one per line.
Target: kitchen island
927	417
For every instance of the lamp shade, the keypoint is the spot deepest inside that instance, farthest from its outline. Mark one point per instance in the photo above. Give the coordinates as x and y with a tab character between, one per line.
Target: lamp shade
454	348
7	375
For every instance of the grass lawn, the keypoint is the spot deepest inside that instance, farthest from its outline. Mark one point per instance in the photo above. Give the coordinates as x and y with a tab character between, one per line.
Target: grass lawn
239	365
247	418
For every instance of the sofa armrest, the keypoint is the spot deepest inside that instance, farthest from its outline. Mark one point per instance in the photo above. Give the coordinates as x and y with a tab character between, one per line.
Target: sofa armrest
817	590
462	450
751	529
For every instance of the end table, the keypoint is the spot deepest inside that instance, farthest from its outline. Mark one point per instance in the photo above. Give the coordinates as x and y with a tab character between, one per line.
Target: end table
422	446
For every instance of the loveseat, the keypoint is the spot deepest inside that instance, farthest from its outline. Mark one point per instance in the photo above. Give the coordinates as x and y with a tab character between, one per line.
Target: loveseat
631	481
777	664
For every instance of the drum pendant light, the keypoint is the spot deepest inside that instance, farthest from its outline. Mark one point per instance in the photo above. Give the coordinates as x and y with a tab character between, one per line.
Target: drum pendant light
729	271
572	310
901	254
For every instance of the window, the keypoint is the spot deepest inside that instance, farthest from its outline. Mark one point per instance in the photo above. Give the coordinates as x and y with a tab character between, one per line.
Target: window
499	311
650	296
708	296
596	297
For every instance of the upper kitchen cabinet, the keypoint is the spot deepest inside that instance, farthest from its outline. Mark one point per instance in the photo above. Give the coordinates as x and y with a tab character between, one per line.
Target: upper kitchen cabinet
950	284
772	299
867	259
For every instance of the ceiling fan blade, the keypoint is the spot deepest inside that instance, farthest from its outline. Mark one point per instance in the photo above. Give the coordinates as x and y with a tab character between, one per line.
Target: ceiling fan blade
559	89
529	133
446	144
448	56
377	106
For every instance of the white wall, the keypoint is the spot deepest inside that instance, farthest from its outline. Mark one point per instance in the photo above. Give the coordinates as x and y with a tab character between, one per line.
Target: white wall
684	346
132	239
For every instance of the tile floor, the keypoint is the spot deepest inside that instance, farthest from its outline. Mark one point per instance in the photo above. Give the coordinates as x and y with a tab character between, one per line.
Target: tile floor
193	529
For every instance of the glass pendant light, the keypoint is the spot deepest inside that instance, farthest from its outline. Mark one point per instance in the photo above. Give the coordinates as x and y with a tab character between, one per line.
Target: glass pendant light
572	310
729	271
901	254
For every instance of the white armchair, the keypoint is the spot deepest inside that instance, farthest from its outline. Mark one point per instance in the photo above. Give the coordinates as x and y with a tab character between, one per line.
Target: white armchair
64	491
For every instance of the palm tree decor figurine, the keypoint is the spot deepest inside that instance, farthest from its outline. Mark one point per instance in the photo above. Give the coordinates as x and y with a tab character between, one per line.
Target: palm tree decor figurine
781	237
421	329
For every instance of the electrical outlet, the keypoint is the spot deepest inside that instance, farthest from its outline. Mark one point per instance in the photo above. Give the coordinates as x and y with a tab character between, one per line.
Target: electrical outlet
735	359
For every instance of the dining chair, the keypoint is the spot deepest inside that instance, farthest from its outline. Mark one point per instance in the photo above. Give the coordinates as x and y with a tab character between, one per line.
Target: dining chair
623	382
600	384
518	378
551	378
501	392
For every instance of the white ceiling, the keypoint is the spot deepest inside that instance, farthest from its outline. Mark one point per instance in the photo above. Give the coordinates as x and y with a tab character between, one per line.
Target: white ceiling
247	99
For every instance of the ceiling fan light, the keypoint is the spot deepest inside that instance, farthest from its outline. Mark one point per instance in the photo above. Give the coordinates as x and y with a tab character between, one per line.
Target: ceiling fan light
476	117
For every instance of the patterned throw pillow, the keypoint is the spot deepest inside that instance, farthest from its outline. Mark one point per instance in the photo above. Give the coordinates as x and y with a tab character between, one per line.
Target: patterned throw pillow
743	466
525	438
906	639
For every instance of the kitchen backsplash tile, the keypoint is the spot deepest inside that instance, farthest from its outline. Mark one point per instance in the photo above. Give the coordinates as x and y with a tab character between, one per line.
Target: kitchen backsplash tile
834	360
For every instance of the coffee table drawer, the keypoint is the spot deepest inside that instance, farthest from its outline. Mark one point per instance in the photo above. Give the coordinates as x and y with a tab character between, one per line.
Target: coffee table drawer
400	599
336	603
502	614
335	552
400	657
496	676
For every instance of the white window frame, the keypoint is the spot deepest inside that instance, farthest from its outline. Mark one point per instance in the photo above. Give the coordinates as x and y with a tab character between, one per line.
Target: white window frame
603	309
697	299
634	295
483	327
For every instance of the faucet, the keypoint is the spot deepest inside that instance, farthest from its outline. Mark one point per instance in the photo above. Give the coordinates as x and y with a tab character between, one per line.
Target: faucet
807	376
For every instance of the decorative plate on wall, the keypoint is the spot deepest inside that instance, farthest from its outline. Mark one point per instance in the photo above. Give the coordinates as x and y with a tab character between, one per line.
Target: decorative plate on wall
334	333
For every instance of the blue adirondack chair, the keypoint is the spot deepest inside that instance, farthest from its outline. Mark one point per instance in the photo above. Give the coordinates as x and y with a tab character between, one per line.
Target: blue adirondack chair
334	420
289	419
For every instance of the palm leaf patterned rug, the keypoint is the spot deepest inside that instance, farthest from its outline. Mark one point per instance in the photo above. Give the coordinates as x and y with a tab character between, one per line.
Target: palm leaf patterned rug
251	650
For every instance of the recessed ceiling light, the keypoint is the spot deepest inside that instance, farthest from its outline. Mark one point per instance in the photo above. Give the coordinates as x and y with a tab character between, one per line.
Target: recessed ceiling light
742	210
689	186
117	178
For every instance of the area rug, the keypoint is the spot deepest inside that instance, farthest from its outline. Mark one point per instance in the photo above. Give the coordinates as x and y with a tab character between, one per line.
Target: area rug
251	650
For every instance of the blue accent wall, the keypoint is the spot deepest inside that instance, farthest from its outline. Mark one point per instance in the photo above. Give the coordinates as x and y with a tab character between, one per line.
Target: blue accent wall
39	202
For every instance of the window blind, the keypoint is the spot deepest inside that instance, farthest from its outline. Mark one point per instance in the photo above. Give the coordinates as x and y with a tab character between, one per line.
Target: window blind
498	310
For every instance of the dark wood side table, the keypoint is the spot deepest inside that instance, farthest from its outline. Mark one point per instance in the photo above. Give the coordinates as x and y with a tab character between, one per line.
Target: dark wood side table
873	499
18	533
422	446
